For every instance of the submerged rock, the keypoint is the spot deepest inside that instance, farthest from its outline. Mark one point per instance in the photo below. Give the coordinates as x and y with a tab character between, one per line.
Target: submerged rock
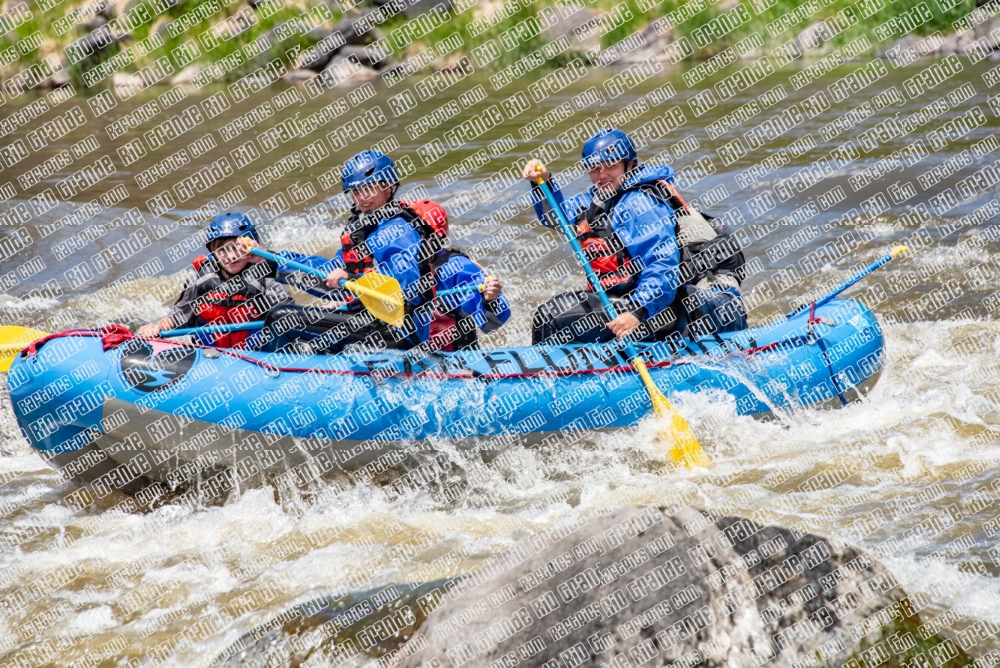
336	629
675	587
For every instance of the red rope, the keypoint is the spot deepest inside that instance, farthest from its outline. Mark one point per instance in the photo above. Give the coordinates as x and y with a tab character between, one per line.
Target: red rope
32	349
113	336
813	320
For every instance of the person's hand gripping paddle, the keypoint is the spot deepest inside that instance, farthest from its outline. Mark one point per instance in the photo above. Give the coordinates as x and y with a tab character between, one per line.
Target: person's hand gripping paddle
380	294
685	448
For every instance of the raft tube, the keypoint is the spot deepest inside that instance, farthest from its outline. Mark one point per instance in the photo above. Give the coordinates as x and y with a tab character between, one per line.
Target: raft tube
116	412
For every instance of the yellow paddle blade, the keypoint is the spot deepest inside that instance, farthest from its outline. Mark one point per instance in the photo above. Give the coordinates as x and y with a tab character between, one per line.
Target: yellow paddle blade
685	448
14	339
381	295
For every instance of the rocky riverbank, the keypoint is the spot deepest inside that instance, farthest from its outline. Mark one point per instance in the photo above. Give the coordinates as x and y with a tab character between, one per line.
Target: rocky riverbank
132	44
672	586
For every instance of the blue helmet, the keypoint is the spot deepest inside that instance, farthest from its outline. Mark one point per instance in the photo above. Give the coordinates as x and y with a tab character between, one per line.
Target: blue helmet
608	145
227	225
368	167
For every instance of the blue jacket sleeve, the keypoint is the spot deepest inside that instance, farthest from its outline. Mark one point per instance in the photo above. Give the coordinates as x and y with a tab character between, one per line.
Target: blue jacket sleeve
459	272
646	226
396	249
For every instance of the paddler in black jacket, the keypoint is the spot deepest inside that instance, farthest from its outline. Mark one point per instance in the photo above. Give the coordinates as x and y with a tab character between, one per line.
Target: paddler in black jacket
231	286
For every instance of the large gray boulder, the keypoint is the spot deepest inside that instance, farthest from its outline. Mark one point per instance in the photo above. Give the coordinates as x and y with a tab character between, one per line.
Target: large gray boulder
956	43
634	587
418	7
353	29
648	584
653	37
364	56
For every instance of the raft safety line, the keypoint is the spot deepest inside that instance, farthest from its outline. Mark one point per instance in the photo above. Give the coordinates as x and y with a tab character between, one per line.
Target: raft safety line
113	336
815	336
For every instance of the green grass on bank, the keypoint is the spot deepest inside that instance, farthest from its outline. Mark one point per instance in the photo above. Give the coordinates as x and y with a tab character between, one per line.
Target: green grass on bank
515	33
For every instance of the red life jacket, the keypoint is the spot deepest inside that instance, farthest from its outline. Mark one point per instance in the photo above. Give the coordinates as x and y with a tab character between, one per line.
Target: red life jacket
357	258
604	250
426	217
219	304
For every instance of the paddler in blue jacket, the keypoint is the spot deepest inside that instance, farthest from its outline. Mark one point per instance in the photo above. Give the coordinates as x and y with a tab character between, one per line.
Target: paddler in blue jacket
381	235
628	227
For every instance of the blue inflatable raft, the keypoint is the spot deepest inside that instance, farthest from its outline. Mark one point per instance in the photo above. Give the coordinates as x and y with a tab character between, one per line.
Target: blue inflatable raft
117	412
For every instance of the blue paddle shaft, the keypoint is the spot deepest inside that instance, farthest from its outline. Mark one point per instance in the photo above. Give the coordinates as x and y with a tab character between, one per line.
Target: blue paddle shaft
595	283
460	290
305	268
213	329
289	263
846	284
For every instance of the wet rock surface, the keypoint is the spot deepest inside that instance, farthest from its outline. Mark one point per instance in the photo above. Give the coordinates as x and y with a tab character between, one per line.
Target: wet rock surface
581	25
979	43
336	630
679	587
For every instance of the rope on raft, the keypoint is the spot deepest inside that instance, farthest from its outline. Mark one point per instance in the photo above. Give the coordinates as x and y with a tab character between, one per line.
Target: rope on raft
115	335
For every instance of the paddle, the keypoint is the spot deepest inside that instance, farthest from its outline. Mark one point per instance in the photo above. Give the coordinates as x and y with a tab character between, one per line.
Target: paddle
685	449
14	339
898	250
380	294
460	290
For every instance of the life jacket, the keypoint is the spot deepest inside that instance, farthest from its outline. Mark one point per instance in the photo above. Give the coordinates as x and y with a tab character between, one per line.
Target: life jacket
357	258
426	217
710	255
223	302
604	250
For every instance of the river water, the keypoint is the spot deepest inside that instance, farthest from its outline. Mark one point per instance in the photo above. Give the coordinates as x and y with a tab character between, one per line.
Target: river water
109	587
